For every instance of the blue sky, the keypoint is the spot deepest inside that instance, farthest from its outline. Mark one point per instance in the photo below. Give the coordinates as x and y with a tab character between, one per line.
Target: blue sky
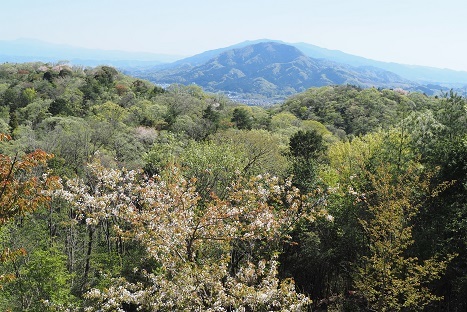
428	32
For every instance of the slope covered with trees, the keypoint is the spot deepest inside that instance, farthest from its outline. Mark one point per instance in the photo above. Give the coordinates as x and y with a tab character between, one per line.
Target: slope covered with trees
118	195
271	69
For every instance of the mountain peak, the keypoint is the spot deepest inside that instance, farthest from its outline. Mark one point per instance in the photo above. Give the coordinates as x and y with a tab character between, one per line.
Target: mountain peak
266	52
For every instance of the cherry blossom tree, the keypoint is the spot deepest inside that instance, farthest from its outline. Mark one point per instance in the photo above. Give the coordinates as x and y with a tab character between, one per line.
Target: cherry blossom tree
214	255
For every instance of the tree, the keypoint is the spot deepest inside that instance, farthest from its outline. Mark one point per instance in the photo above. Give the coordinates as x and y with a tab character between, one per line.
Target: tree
388	277
376	198
42	280
106	75
441	138
283	121
305	149
163	154
21	191
306	144
59	106
214	166
242	118
211	120
261	151
453	115
190	245
70	139
27	96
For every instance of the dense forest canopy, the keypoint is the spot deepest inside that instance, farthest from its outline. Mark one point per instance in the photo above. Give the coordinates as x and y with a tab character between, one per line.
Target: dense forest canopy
119	195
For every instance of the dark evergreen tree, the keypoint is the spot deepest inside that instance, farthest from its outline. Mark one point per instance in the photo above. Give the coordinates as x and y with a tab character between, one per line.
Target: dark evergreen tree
305	150
242	119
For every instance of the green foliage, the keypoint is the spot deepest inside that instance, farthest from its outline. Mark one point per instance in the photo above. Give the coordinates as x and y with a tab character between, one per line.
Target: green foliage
306	145
260	151
372	157
34	112
283	120
388	278
163	154
242	118
214	166
69	138
105	75
349	110
453	115
211	119
305	150
43	278
441	225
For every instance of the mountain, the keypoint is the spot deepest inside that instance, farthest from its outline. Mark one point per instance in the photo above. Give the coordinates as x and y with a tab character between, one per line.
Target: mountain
190	61
206	56
30	50
270	69
419	74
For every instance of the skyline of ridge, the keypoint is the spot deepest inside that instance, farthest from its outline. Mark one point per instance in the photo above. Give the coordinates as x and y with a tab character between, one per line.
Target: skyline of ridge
117	54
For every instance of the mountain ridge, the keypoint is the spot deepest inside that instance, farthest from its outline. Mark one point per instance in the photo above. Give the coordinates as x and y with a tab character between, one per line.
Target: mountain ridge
31	50
417	73
272	69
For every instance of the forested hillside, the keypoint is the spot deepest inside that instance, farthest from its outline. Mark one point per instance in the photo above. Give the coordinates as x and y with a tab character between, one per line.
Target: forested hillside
269	69
118	195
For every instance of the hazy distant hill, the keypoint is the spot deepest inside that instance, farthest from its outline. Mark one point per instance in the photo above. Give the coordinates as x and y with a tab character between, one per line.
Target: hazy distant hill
420	74
29	50
271	68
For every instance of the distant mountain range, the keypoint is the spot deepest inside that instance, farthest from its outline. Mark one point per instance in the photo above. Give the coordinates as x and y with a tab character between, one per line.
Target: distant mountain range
419	74
265	67
270	69
30	50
